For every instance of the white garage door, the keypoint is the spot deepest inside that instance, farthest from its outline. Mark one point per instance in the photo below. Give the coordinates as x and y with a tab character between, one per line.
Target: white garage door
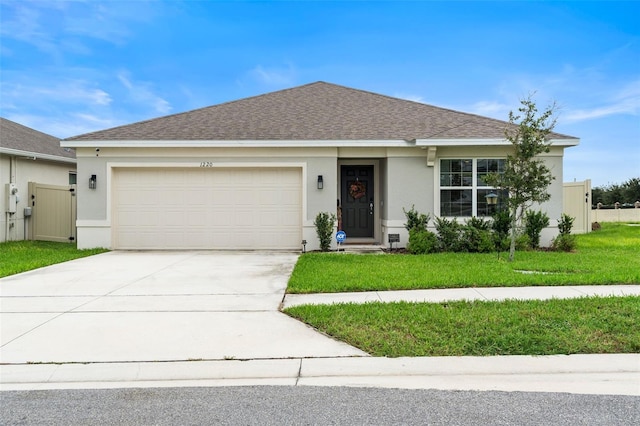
207	208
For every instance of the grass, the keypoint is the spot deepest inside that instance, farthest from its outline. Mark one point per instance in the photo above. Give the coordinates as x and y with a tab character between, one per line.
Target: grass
571	326
608	256
21	256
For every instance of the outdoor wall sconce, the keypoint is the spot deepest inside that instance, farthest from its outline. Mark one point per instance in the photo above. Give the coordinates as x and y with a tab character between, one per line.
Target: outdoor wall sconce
92	182
320	182
492	198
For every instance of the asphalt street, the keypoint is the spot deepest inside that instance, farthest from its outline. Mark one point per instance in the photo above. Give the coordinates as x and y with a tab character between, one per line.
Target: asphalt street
287	405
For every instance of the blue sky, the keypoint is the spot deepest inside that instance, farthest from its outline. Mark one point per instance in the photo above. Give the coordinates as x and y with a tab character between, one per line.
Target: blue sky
73	67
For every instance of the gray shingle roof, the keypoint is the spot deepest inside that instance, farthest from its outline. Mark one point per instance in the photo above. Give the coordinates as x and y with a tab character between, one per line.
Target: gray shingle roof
316	111
22	138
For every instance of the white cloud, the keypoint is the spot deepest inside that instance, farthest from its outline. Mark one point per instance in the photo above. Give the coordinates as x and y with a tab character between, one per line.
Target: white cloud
493	109
56	27
94	120
62	125
21	22
123	76
410	97
625	102
65	92
275	76
141	93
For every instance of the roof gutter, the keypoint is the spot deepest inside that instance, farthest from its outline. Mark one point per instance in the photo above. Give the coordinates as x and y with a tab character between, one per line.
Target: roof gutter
37	155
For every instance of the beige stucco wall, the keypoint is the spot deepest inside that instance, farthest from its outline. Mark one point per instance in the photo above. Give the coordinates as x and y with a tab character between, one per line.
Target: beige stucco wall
26	170
410	183
93	207
403	175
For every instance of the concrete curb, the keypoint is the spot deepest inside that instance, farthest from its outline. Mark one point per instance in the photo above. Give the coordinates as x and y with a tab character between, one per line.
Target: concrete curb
617	374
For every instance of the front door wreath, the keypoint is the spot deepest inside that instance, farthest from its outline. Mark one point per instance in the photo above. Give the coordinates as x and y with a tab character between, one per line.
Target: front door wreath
357	189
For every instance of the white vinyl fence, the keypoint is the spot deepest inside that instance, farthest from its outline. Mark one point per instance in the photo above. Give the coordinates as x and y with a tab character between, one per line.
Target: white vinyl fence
615	215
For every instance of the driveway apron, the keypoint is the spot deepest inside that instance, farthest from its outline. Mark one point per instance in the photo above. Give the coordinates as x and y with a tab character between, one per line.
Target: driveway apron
156	306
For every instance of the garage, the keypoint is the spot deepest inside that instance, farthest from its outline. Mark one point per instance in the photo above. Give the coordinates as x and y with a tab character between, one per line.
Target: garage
207	208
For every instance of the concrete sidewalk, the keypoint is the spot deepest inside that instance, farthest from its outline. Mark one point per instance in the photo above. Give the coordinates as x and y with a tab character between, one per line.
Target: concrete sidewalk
475	293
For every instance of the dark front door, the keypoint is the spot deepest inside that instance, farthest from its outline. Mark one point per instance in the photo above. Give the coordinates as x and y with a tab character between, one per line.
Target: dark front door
357	201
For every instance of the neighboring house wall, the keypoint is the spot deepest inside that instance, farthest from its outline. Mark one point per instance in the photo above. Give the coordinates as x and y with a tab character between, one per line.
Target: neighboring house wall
4	179
12	227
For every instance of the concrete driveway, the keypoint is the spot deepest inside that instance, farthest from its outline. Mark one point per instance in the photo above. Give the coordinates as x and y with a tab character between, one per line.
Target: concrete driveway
156	306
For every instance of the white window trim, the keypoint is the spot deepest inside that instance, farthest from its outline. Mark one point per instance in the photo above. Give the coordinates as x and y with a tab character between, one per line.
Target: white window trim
474	184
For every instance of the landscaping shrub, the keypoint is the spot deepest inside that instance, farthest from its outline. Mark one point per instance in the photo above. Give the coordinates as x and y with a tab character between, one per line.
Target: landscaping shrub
565	241
422	241
479	223
534	223
324	229
478	240
415	219
449	235
501	225
523	242
565	224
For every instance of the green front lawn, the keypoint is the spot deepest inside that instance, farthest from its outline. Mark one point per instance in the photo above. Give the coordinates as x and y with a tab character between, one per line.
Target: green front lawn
608	256
587	325
21	256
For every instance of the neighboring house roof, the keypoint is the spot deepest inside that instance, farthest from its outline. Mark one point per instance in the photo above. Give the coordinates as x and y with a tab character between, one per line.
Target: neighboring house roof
314	112
16	139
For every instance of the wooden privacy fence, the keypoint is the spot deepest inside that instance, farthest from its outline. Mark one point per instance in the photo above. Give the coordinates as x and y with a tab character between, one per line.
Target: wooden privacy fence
53	212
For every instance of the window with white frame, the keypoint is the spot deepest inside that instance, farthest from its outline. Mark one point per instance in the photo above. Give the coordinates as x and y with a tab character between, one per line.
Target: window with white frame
463	191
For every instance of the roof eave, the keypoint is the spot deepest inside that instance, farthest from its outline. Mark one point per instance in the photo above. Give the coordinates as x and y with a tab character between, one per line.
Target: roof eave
487	142
239	143
37	155
359	143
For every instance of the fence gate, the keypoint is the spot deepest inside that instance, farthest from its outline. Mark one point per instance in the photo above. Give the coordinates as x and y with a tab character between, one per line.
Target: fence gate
576	202
53	212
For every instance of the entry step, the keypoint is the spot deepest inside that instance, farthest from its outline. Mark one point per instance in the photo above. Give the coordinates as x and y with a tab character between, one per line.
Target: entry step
362	248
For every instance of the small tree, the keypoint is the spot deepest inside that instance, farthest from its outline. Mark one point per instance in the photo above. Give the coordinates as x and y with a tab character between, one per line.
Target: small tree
525	177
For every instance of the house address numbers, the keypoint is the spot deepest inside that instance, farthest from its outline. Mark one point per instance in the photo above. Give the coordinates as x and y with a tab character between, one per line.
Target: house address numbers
206	164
